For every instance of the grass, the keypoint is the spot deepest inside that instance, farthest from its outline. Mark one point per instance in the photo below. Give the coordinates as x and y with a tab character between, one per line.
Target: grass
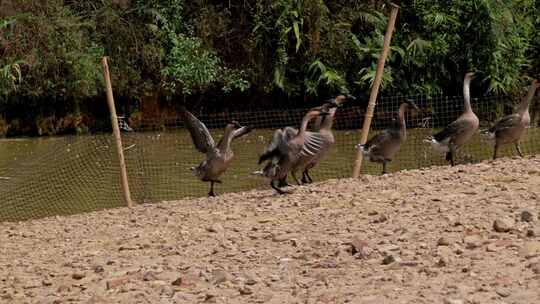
67	175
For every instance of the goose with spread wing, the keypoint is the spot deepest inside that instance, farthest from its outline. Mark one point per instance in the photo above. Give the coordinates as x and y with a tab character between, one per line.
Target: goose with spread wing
510	128
319	141
382	147
460	131
218	157
286	148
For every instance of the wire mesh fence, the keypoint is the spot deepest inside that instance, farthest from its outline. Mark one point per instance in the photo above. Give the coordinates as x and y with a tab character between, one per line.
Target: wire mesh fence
73	174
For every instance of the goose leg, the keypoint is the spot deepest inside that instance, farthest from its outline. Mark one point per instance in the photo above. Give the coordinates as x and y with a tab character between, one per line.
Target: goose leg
310	180
518	148
495	150
283	182
276	188
384	167
293	173
450	154
211	193
304	177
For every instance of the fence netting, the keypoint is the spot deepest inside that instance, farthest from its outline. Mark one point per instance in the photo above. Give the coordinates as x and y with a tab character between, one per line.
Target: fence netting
71	174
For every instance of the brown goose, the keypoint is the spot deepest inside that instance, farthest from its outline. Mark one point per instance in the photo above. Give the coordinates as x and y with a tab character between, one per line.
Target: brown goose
218	157
460	130
382	147
321	139
286	147
510	128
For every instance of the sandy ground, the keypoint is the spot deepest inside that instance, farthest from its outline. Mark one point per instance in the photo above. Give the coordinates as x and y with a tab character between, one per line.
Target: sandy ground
420	236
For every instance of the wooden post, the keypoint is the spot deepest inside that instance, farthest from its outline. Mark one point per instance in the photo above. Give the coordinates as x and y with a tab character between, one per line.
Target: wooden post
375	87
117	137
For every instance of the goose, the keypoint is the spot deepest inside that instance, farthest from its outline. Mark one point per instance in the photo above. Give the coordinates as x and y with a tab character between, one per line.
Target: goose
286	147
321	139
510	128
218	157
460	131
382	147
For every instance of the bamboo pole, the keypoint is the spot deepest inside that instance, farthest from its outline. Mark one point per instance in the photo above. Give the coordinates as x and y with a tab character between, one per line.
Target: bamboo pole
375	87
117	137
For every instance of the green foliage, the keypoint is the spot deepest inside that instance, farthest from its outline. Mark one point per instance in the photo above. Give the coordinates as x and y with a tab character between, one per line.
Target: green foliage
50	50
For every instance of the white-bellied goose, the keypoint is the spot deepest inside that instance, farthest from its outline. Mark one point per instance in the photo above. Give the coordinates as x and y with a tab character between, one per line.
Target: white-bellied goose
509	129
321	139
286	147
382	147
460	130
218	157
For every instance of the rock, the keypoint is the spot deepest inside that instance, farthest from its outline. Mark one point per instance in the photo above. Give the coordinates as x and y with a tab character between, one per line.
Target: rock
452	301
116	282
284	237
527	216
530	249
360	248
443	261
492	247
219	276
150	276
473	241
216	228
98	269
178	282
245	290
380	219
78	276
533	232
503	292
250	281
389	259
535	267
443	241
503	224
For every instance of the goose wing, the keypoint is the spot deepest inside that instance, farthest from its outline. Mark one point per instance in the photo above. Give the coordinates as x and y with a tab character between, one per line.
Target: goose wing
506	122
313	144
378	142
200	135
277	145
452	130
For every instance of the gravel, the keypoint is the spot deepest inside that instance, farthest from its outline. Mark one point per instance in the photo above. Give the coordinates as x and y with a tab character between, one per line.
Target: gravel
419	236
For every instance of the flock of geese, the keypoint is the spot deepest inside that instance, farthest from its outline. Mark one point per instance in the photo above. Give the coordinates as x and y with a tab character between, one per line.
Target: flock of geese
294	150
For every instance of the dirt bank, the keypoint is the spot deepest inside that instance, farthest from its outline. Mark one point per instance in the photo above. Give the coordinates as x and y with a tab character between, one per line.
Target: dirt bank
421	236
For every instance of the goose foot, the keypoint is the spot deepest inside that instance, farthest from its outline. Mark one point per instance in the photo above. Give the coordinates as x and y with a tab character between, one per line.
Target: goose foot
277	188
296	179
518	148
306	179
283	183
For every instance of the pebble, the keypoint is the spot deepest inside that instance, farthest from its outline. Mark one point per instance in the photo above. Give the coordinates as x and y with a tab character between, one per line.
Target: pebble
472	241
527	216
503	292
452	301
530	249
503	224
78	276
443	241
245	290
389	259
216	228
